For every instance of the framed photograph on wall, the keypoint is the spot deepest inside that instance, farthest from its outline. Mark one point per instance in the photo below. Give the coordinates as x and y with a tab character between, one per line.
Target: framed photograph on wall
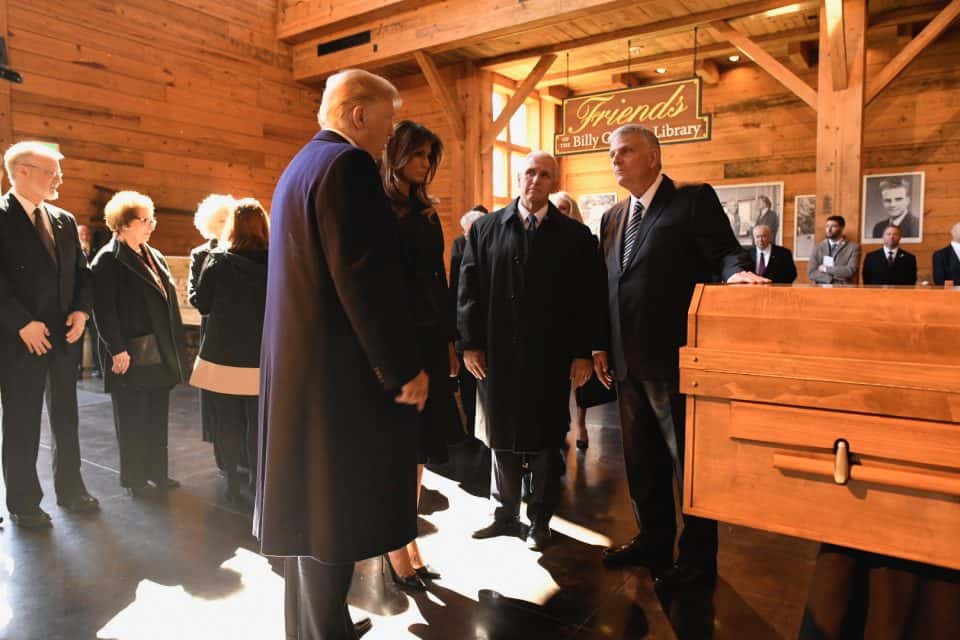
592	206
892	198
805	226
748	205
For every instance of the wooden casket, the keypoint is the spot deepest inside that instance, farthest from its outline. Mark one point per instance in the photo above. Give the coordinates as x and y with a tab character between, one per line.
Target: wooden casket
827	413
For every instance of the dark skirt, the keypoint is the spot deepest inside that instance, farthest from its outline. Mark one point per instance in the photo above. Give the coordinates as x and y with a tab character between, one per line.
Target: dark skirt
440	424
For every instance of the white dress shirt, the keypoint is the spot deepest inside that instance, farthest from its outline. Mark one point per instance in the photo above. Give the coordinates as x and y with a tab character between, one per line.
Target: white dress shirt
539	214
646	199
766	256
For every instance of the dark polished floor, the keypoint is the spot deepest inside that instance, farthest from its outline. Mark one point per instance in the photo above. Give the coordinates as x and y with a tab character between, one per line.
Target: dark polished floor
184	566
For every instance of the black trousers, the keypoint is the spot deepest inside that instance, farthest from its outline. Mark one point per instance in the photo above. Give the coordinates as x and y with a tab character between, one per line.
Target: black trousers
507	481
652	416
140	418
315	600
25	382
235	430
468	396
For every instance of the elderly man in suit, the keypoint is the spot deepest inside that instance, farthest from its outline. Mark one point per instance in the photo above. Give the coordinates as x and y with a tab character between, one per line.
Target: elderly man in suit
45	301
341	380
946	261
890	264
527	336
654	244
771	260
834	260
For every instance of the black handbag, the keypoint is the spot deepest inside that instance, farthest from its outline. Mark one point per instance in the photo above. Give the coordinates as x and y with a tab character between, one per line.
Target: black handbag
144	351
594	394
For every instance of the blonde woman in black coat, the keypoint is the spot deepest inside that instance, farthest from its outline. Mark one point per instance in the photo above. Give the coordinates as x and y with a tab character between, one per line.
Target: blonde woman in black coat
232	293
138	319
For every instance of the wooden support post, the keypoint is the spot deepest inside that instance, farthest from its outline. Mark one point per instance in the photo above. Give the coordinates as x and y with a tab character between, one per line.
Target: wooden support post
840	122
442	93
838	48
521	94
766	61
912	50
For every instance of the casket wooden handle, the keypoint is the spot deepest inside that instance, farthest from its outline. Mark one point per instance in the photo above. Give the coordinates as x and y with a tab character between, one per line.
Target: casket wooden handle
872	473
841	462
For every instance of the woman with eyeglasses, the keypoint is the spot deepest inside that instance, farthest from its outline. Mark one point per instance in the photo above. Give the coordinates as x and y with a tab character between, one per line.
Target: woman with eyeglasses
138	318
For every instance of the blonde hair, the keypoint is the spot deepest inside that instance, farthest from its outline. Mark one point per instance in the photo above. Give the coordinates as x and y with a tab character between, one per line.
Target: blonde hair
21	152
563	196
351	88
122	209
212	214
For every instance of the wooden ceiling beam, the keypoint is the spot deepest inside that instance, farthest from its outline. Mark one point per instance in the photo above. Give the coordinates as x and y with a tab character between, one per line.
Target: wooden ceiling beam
652	30
833	10
709	72
771	65
519	96
440	27
298	20
803	55
442	93
893	68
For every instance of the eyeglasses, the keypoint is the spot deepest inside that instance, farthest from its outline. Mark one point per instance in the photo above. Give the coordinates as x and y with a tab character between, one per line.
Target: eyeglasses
150	222
50	174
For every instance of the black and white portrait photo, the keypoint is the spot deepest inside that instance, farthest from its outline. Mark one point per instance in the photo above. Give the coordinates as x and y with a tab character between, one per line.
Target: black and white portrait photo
749	205
893	199
805	226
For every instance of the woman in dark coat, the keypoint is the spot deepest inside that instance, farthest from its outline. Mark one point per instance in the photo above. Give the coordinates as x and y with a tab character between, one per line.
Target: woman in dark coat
410	163
232	294
138	318
210	218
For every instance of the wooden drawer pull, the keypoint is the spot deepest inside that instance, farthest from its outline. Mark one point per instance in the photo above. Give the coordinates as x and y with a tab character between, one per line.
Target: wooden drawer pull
929	481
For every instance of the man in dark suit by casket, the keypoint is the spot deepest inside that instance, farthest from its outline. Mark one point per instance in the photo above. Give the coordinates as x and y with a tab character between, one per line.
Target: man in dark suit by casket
946	261
890	264
771	260
341	380
654	244
45	301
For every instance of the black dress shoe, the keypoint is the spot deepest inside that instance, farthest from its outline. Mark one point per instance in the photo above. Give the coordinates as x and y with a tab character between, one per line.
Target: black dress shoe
407	583
634	553
427	573
164	485
501	528
33	519
83	503
685	577
361	627
539	538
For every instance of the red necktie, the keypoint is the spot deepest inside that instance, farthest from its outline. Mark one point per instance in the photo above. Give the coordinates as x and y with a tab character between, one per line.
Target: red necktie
890	258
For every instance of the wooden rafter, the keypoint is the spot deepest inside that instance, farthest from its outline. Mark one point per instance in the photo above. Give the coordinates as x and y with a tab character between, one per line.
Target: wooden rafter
442	93
912	50
521	94
766	61
838	47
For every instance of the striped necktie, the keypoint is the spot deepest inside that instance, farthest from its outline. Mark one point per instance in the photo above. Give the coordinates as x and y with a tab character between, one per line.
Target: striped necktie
630	235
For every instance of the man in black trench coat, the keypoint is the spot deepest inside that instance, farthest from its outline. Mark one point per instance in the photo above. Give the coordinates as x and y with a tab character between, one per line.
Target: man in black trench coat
527	334
341	377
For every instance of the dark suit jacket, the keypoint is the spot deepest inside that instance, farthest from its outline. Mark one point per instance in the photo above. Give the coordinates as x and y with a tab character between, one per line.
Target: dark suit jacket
683	230
129	304
909	227
781	268
877	271
946	266
32	286
456	258
336	451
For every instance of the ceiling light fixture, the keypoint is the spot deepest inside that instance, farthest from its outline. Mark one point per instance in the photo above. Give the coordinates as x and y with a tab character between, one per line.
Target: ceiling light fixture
661	70
782	11
734	58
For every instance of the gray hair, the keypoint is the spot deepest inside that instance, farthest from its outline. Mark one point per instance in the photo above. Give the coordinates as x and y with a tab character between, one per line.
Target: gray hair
763	226
351	88
21	152
469	218
539	154
638	130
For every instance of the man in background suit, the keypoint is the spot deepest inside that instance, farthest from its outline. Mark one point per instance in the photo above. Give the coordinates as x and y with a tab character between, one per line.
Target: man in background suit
45	299
895	194
768	217
89	253
771	260
341	377
834	260
946	261
653	245
891	264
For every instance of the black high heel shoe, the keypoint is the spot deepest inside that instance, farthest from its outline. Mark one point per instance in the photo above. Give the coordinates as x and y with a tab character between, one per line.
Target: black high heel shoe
407	583
427	573
583	444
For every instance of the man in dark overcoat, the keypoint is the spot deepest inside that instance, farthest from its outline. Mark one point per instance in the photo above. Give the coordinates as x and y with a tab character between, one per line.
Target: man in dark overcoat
526	274
655	244
341	376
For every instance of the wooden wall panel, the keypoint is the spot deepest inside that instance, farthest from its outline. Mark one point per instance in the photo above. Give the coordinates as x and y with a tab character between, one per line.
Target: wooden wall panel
762	133
175	98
